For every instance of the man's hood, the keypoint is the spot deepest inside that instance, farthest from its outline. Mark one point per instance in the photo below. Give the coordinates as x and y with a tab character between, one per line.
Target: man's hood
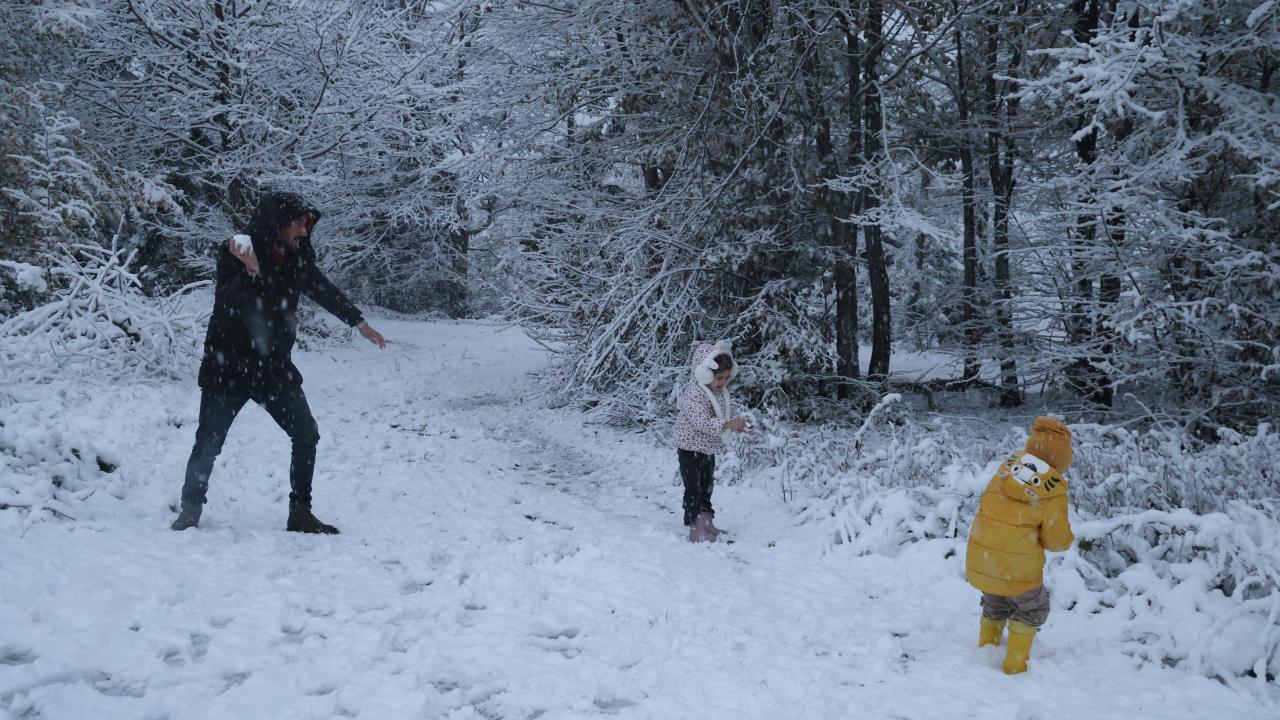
274	211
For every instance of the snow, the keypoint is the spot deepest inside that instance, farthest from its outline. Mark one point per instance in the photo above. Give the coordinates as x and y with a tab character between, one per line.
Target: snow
499	559
28	277
1260	12
65	19
919	366
243	243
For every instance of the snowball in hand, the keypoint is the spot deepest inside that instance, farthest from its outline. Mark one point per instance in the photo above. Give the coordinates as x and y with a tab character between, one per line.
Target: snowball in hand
242	243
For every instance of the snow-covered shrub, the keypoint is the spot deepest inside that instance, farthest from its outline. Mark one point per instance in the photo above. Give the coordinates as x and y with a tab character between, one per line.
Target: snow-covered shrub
70	299
98	320
58	190
1181	537
1117	467
20	285
878	485
318	330
48	470
1199	589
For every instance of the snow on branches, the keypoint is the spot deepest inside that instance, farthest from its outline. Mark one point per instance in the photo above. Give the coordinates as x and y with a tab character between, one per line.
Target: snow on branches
97	319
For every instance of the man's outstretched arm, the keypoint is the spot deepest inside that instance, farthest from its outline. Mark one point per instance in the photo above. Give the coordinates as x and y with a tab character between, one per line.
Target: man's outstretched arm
323	291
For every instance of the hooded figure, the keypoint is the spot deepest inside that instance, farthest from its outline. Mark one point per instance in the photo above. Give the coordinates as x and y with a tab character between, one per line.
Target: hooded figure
247	349
705	417
703	411
254	322
1022	513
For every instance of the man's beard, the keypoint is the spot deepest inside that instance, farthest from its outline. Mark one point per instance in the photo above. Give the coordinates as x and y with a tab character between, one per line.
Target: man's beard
285	249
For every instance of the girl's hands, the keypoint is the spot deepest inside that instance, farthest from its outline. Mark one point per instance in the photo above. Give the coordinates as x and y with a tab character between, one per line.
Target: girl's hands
737	424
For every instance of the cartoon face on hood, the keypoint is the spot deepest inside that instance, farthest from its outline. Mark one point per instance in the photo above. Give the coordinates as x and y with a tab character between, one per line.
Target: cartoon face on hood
704	357
1028	478
274	211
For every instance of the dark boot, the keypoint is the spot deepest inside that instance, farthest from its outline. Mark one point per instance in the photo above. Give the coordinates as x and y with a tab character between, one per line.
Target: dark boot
188	518
301	520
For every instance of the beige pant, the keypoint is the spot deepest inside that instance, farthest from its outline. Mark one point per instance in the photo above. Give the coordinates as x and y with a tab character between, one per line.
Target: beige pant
1030	608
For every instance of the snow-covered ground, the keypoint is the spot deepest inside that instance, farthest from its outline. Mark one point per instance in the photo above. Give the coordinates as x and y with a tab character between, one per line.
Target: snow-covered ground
499	559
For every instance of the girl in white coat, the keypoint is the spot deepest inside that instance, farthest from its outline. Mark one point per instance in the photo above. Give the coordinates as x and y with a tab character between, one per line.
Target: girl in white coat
705	417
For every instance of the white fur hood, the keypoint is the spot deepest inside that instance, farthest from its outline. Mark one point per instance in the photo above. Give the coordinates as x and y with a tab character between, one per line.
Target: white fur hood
704	357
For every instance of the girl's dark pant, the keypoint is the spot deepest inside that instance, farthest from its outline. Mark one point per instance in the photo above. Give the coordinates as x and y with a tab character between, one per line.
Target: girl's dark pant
698	472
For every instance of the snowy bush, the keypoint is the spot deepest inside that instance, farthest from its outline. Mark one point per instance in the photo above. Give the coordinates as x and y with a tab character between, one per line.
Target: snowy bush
318	330
1166	469
97	319
1181	537
20	285
1201	590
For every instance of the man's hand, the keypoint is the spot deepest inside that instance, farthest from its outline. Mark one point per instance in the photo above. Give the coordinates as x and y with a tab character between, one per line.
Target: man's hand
737	424
371	335
244	253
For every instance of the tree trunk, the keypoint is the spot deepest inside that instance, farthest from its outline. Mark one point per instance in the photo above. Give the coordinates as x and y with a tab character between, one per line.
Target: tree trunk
845	234
1000	167
877	270
916	310
458	300
969	302
832	205
1109	286
1084	324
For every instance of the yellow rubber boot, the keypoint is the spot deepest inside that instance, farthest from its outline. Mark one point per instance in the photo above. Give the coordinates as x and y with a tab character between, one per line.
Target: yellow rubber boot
1020	637
989	632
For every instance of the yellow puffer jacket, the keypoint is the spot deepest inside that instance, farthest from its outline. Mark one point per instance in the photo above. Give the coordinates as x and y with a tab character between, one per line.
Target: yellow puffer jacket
1022	513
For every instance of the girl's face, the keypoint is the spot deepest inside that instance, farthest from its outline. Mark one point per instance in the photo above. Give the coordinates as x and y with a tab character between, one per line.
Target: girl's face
720	379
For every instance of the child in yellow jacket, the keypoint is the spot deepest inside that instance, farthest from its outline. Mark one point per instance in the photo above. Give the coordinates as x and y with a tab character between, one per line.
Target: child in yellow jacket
1022	513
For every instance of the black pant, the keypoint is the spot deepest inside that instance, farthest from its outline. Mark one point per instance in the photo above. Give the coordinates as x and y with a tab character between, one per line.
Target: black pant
218	409
699	473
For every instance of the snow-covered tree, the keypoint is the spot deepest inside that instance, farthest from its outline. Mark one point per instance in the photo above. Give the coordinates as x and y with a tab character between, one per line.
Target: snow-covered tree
345	102
1158	237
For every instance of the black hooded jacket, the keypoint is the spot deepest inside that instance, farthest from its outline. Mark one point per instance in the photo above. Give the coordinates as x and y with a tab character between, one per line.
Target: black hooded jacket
254	322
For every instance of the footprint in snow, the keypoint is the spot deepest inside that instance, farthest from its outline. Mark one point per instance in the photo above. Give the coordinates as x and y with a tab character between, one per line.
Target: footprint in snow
611	706
11	656
321	689
199	646
563	642
118	687
413	587
234	680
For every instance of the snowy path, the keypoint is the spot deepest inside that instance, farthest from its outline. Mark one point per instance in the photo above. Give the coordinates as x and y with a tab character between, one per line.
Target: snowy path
499	559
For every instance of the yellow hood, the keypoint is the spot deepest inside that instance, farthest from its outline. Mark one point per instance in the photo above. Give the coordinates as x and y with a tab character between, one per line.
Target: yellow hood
1030	479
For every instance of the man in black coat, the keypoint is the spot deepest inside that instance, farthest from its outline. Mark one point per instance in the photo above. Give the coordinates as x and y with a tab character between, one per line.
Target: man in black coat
247	348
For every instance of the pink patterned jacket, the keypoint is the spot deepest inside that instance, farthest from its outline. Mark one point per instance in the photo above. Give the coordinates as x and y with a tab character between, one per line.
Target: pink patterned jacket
700	422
